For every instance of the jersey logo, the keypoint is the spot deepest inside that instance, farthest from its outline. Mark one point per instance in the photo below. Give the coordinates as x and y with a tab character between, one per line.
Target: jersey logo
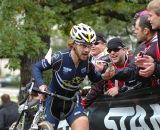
55	56
83	70
65	69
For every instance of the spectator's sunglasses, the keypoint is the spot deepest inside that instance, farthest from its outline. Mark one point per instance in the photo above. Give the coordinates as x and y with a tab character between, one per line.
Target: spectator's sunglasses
114	49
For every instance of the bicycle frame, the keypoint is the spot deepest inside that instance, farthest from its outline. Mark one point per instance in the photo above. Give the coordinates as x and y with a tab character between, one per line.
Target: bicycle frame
38	116
22	115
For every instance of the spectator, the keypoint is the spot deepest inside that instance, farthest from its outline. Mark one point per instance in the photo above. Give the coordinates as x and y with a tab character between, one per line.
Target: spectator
98	49
145	36
152	66
118	56
8	112
137	15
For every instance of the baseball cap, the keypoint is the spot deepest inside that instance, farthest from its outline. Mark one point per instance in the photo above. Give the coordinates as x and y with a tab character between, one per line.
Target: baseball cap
115	43
100	37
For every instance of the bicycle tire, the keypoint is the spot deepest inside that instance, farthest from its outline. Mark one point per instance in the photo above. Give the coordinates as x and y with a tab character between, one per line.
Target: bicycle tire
45	125
13	125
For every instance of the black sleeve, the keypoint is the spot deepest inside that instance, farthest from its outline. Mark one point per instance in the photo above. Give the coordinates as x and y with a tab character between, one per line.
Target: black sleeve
127	73
96	89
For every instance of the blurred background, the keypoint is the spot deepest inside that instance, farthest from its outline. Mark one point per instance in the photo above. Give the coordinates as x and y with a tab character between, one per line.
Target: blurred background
9	80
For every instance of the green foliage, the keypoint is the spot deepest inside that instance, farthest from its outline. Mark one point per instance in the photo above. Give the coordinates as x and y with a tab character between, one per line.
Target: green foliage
23	23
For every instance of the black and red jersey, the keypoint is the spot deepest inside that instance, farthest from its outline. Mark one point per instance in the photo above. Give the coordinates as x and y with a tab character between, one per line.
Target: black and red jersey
150	48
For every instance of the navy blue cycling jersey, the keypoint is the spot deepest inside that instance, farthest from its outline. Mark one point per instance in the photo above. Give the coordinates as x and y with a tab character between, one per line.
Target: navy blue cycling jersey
65	81
66	76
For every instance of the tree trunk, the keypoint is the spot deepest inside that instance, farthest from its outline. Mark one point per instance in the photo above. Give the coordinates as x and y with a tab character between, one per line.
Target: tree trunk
26	73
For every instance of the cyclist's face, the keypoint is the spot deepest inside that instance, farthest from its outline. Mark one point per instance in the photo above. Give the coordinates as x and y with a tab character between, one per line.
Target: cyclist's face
83	51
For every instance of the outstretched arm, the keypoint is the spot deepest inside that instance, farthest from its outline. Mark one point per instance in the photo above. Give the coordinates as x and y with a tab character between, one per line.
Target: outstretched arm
96	89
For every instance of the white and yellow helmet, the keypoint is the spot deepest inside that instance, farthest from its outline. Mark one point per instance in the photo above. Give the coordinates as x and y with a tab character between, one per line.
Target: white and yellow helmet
83	33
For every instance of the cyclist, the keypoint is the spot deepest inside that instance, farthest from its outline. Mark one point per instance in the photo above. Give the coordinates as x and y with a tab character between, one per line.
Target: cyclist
69	67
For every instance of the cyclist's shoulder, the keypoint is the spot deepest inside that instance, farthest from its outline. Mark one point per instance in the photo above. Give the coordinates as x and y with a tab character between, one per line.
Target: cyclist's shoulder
59	54
59	58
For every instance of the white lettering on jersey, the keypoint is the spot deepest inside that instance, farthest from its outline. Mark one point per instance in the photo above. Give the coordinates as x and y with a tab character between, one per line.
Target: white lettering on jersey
83	70
65	69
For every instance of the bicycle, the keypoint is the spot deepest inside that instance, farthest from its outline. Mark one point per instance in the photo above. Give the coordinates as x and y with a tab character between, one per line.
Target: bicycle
25	107
38	122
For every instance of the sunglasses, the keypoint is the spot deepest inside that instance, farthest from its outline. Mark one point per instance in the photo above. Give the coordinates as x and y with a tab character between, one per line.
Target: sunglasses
114	49
83	44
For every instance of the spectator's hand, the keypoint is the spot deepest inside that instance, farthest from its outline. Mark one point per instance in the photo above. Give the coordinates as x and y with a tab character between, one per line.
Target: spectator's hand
146	63
113	91
109	73
42	88
141	60
148	70
99	65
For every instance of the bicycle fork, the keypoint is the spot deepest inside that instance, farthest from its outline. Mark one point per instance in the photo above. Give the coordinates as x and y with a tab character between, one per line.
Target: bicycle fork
37	117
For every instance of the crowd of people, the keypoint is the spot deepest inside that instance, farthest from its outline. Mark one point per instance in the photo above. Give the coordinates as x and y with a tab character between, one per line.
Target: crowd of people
108	66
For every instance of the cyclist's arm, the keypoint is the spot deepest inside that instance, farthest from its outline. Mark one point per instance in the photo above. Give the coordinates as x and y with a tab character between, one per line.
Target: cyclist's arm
45	64
38	69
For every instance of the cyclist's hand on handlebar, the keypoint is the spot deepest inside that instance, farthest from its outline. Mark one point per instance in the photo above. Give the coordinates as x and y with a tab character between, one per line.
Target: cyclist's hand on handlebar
42	88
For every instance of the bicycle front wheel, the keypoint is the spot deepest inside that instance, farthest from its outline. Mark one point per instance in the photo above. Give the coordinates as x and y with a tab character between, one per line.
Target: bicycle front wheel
45	125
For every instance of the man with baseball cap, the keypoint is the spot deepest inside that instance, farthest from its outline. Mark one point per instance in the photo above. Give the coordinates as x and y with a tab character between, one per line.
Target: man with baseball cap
117	51
119	59
115	43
